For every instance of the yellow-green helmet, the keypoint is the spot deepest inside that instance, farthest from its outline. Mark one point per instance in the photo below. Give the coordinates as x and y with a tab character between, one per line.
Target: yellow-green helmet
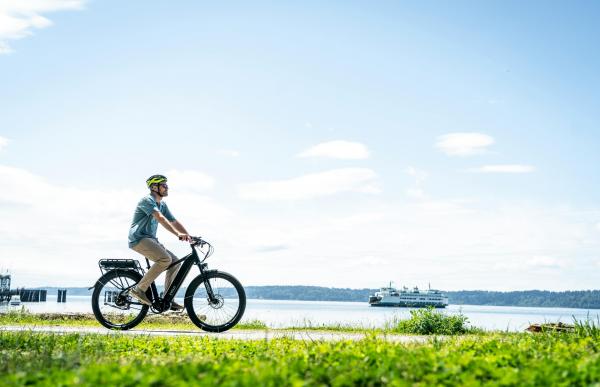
156	179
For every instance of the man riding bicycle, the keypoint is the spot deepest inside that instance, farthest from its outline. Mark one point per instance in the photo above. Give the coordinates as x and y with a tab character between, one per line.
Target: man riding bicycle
150	211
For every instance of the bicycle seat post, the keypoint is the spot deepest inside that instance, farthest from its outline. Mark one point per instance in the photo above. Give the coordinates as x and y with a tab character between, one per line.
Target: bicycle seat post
147	263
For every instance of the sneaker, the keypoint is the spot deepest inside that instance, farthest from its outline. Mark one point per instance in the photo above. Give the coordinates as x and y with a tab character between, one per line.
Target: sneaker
139	295
176	307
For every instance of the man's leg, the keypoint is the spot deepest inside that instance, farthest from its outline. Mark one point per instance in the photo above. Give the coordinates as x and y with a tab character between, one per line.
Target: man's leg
170	276
172	272
155	252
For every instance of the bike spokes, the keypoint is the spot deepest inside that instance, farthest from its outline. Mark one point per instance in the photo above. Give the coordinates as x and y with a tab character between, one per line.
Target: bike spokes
112	304
217	303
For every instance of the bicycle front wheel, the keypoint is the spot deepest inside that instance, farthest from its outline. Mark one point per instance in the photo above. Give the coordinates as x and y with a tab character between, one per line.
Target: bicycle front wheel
215	301
112	305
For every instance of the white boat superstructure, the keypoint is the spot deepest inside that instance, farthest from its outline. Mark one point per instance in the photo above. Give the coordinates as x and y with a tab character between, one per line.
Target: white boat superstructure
390	296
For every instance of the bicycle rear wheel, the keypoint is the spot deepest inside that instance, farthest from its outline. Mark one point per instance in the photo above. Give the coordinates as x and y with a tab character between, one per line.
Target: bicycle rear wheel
111	303
226	307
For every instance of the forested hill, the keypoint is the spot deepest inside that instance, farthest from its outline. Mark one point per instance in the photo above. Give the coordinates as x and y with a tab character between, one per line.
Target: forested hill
586	299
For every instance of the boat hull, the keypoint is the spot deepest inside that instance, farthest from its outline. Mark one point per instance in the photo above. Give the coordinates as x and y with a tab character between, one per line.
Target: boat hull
407	305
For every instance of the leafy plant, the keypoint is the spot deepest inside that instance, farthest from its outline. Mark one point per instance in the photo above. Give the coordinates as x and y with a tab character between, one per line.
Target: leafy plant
428	321
588	328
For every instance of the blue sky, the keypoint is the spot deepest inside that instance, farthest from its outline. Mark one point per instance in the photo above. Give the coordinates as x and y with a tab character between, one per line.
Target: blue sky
340	144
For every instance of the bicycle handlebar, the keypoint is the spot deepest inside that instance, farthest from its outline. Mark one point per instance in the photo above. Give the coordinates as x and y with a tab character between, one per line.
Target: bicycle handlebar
198	241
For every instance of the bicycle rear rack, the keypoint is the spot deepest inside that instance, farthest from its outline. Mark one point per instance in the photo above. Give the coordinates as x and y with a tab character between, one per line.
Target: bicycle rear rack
109	264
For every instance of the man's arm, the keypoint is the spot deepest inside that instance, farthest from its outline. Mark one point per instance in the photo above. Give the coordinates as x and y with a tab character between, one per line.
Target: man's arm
179	227
173	227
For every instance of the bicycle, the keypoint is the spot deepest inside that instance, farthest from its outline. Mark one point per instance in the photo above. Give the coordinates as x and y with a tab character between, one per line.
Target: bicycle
215	301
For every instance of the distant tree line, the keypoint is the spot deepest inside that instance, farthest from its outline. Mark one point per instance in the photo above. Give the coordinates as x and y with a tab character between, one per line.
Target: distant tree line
307	293
583	299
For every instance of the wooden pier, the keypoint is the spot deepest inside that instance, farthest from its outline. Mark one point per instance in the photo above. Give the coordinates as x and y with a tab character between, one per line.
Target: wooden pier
26	295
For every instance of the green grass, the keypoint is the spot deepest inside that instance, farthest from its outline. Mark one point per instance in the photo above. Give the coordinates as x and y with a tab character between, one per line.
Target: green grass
179	321
163	321
496	359
422	322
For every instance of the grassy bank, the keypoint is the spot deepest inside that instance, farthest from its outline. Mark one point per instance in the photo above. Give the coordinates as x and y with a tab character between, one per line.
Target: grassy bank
500	359
179	321
422	322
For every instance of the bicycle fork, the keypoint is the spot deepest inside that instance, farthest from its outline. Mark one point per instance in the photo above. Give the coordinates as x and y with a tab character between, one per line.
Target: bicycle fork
209	291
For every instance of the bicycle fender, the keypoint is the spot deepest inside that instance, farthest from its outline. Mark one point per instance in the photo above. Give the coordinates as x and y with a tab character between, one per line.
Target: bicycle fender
99	280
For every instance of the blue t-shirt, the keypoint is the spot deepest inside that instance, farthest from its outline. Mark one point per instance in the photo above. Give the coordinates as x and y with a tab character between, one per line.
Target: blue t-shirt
144	225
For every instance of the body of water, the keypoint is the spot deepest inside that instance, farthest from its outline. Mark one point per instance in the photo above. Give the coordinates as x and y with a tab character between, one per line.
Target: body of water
280	314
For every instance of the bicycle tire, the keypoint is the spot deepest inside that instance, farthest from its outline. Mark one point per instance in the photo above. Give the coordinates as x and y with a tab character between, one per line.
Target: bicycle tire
215	317
120	280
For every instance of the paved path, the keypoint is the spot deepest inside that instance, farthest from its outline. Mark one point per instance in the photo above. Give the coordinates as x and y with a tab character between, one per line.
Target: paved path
241	334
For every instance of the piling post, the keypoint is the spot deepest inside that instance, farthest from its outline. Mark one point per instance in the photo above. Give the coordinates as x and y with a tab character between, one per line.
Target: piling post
62	295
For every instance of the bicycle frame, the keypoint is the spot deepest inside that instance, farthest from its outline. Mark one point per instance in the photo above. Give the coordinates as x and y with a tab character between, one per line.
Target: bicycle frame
188	261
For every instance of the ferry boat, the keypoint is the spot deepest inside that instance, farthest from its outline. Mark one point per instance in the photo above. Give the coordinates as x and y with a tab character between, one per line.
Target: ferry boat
415	298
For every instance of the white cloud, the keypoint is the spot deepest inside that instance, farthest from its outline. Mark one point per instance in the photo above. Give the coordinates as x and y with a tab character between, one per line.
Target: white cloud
24	187
346	150
545	262
271	248
416	193
313	185
452	244
54	235
3	142
19	17
53	231
532	263
463	144
192	181
503	168
416	190
228	153
368	260
418	174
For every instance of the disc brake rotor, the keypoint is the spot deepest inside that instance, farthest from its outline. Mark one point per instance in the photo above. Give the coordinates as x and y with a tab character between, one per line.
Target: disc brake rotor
217	302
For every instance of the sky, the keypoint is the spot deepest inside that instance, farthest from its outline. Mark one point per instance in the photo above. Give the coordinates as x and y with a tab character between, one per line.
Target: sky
339	144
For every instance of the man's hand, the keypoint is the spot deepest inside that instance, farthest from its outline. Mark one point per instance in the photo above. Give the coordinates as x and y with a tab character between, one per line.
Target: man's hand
184	237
